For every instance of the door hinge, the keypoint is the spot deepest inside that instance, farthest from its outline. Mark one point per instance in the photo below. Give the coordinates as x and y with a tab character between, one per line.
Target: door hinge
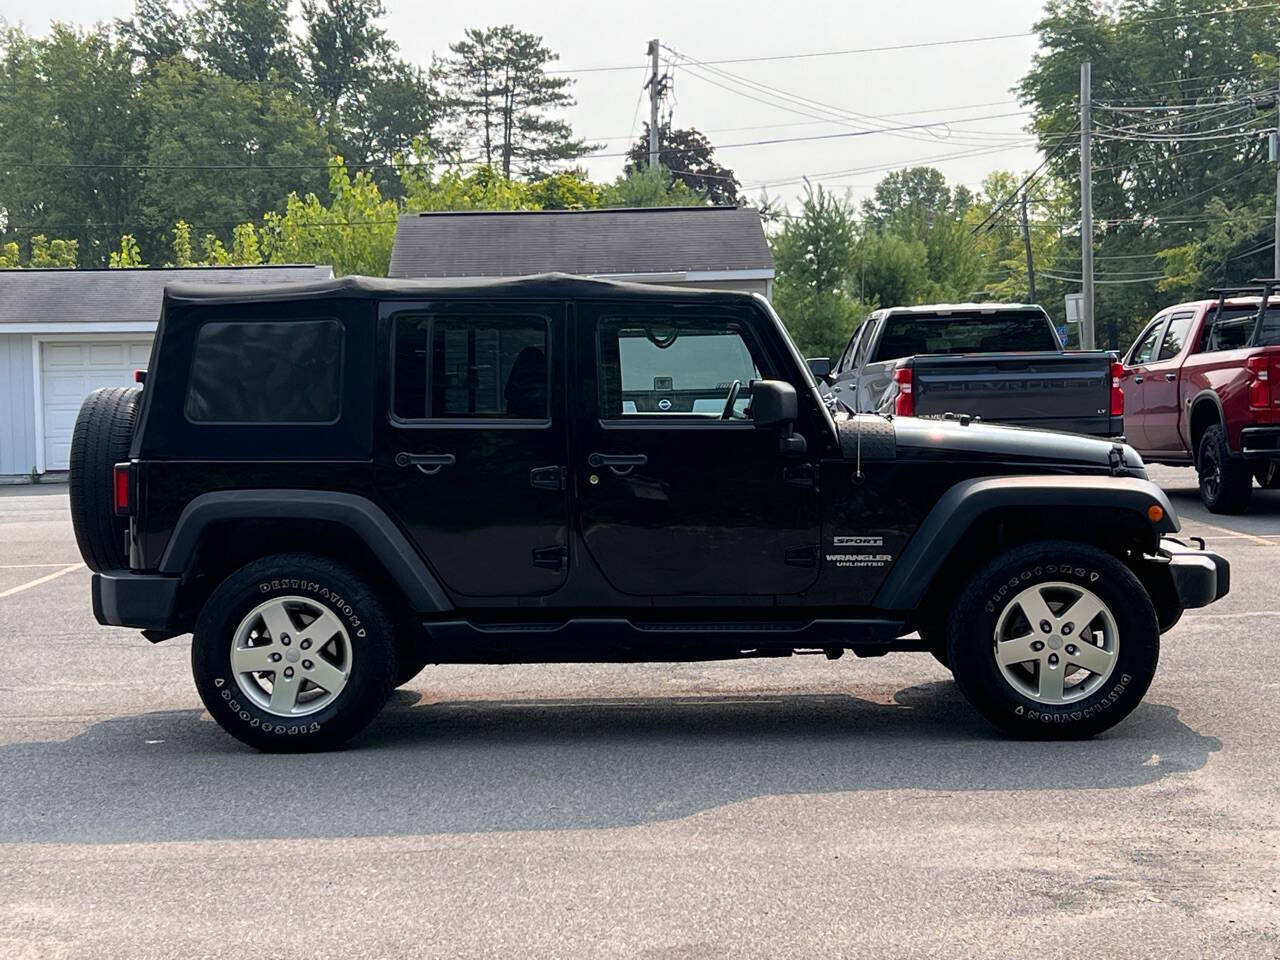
547	478
550	558
801	556
800	475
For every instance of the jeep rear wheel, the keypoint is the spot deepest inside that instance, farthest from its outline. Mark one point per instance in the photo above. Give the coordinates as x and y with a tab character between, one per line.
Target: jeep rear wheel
294	652
1225	481
1054	640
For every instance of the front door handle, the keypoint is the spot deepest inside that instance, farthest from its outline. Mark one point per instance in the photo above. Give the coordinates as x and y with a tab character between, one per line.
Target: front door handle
428	463
617	459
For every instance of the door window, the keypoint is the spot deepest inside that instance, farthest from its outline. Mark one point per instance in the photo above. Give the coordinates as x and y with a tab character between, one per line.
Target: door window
1176	336
456	366
846	359
652	368
1145	348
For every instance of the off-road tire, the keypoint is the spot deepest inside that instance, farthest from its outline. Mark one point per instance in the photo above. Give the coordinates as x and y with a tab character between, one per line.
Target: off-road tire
1226	483
972	630
102	436
329	584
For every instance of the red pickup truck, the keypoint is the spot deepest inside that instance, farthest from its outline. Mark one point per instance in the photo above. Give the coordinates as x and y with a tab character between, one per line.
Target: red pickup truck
1200	386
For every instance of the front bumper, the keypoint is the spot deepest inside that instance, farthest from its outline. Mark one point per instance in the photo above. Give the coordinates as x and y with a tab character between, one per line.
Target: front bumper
1199	576
145	601
1260	443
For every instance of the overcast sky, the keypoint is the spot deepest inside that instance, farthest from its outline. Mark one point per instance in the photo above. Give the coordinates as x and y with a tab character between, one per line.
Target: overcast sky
899	87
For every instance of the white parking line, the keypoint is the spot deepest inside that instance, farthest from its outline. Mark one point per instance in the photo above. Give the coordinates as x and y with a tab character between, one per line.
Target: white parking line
1230	616
29	566
39	580
1234	534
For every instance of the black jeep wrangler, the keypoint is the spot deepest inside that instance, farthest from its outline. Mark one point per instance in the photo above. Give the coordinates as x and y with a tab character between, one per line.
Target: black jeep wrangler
332	485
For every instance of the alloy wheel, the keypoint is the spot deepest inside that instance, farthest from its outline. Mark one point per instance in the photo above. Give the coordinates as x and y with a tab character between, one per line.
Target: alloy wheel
291	656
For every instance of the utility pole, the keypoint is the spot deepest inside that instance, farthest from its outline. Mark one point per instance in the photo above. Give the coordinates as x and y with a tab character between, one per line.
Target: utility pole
655	98
1026	242
1087	341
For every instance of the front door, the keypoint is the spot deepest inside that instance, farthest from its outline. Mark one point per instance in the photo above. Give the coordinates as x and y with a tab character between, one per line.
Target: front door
680	493
472	461
1161	412
1134	380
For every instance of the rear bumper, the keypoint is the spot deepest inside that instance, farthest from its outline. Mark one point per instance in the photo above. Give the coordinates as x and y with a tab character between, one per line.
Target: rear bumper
145	601
1260	443
1200	577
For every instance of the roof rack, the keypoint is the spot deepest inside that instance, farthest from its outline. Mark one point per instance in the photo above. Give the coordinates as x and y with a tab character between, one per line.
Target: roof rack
1264	287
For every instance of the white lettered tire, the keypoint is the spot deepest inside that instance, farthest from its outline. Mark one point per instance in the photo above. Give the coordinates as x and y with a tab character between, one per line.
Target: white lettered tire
1054	640
294	652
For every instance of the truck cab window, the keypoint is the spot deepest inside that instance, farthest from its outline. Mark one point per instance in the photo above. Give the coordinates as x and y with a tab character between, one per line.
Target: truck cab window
664	368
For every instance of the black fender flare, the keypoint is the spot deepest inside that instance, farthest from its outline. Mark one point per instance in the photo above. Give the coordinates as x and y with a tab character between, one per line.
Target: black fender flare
1202	396
965	503
359	514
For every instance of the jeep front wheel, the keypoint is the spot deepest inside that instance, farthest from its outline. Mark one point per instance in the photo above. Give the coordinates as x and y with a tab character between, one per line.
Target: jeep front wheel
1054	640
294	652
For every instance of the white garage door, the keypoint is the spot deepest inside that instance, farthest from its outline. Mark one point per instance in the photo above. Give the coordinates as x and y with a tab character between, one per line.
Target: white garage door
69	372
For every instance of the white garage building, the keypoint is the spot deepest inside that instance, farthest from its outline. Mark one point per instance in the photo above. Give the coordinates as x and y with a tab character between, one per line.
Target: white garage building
64	333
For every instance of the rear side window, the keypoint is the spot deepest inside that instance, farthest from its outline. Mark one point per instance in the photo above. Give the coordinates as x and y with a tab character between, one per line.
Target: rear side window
261	371
1176	336
1235	327
462	367
909	334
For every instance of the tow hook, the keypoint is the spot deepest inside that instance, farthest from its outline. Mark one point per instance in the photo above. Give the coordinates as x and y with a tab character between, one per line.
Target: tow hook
1116	458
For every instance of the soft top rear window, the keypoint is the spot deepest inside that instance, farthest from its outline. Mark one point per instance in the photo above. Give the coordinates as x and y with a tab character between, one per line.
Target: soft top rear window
266	371
908	334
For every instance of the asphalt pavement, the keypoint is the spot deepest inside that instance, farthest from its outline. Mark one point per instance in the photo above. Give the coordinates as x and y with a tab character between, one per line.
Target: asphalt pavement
774	809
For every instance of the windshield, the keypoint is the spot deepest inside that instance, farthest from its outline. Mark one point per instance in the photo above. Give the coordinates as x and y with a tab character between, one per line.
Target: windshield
1236	326
909	334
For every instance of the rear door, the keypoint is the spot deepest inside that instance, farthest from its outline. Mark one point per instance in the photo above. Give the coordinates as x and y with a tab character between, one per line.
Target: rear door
1160	408
680	493
471	461
1141	355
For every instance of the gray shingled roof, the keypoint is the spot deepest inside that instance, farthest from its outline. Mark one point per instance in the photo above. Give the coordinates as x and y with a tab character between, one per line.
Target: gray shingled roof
115	296
585	242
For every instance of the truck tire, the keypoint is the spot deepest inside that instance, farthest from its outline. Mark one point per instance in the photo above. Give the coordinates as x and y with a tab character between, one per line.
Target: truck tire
294	652
1024	662
102	436
1226	483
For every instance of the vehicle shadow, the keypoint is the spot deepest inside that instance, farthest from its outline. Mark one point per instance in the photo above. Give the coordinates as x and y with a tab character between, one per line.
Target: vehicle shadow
462	767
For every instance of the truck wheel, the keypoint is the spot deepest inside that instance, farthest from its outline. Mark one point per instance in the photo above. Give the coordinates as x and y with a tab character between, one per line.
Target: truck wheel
294	652
1054	640
1225	481
102	436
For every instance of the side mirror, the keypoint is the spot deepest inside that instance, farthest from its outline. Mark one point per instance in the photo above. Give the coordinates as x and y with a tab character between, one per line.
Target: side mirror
820	367
773	403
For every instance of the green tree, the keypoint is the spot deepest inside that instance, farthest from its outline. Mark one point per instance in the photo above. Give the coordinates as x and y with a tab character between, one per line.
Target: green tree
813	293
503	101
246	40
128	256
649	188
688	156
155	32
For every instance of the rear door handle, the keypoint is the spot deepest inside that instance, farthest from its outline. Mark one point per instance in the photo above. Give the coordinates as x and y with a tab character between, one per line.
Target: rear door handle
1137	379
617	459
1171	377
428	463
547	478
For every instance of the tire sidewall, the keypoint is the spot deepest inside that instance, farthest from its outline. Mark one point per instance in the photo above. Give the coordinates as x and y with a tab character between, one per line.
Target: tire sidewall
339	591
1235	479
971	641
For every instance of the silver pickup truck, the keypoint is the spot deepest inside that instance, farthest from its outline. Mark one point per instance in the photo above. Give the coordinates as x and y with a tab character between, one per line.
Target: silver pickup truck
999	362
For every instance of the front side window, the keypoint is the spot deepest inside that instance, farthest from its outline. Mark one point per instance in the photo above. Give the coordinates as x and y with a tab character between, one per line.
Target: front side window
461	367
1145	348
266	371
655	367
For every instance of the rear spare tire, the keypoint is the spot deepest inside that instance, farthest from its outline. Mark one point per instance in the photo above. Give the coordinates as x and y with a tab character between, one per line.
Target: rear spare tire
101	439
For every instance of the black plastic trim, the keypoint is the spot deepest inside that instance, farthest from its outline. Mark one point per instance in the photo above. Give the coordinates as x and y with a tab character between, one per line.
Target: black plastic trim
1269	437
362	516
146	601
966	502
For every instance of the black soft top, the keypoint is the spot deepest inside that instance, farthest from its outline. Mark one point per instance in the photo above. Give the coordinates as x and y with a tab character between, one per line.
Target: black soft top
545	286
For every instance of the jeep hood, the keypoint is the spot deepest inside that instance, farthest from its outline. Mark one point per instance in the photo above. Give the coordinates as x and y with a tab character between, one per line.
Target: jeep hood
913	438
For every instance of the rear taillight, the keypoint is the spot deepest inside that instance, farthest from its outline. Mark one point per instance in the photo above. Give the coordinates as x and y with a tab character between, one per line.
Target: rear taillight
1117	392
122	484
1259	382
139	376
904	404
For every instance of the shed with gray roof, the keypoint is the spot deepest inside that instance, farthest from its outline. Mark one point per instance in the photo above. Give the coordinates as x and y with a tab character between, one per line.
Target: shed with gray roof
716	247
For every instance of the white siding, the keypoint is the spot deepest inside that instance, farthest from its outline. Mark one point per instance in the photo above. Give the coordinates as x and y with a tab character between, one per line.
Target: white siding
17	405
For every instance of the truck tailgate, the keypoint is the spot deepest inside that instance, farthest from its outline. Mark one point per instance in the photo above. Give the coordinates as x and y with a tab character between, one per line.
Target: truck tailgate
1054	391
